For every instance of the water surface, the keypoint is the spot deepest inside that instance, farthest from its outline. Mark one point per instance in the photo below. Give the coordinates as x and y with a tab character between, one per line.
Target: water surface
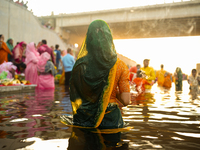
164	119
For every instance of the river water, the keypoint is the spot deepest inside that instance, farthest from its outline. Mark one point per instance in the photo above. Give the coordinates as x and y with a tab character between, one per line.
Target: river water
166	119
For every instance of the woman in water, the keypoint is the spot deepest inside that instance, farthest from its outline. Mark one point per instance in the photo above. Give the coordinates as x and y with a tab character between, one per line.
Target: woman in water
32	58
99	81
46	72
178	79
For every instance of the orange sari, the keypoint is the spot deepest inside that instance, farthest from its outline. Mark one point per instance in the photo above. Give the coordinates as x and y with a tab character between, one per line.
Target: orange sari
167	81
4	51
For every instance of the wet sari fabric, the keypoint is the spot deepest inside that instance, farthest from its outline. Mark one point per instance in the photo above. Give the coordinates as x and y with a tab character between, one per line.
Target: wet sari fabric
93	78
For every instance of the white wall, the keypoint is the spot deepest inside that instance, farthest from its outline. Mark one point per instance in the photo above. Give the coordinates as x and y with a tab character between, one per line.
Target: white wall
18	23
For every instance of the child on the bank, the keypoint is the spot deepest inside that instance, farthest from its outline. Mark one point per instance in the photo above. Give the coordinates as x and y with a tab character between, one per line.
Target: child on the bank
193	81
140	82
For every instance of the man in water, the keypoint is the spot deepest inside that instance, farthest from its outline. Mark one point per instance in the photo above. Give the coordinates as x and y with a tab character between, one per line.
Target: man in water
149	72
68	63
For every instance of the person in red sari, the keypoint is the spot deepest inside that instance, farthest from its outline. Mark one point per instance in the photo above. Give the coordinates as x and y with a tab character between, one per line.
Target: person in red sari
140	82
44	48
4	50
19	53
141	95
132	73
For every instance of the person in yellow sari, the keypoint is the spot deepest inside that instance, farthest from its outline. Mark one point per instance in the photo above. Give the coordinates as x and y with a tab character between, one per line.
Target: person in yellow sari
160	75
149	73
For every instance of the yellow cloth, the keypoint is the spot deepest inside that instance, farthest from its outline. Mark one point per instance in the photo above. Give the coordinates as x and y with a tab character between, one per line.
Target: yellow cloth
160	74
150	75
62	78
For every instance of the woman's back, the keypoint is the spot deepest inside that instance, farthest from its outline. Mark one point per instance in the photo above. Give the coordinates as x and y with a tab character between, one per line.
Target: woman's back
98	79
46	72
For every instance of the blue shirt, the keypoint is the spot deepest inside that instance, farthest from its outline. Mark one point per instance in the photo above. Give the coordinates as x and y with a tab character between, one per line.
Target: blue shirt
58	56
68	62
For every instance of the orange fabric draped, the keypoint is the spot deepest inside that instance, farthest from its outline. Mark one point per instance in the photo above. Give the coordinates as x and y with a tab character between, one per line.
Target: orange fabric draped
121	78
4	51
167	81
140	84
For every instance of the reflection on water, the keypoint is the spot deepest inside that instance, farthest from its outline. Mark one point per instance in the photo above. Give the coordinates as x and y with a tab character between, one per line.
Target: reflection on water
86	139
163	119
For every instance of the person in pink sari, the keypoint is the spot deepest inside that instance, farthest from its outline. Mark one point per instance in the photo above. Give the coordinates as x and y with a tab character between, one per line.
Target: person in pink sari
19	52
46	72
32	58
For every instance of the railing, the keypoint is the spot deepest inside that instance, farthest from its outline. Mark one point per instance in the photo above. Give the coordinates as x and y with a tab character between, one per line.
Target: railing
155	2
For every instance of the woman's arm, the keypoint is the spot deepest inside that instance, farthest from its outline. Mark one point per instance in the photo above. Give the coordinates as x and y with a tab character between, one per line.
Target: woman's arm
124	97
123	92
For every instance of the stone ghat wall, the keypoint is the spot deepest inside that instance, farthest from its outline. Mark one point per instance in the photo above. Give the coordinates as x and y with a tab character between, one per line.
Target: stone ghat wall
20	24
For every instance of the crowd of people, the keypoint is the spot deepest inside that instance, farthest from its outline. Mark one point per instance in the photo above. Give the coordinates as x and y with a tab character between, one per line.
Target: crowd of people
143	78
39	64
21	3
101	82
98	81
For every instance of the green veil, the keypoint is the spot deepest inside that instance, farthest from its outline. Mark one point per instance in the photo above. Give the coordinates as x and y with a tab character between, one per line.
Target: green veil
10	48
178	82
93	76
9	45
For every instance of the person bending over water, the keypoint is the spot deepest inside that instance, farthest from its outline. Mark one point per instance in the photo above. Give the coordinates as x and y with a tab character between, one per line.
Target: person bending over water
99	79
46	72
